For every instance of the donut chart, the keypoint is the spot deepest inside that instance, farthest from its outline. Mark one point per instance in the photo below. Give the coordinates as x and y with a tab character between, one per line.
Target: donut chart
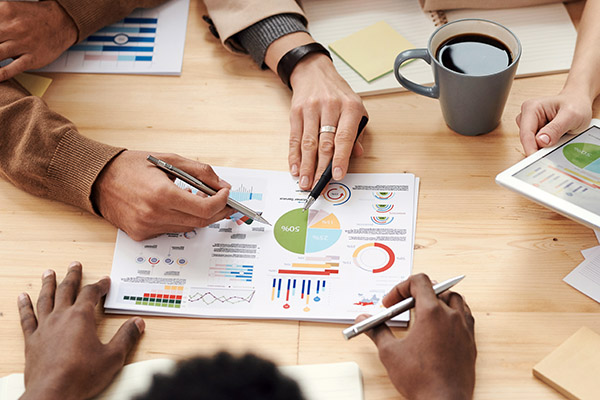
374	257
337	193
303	232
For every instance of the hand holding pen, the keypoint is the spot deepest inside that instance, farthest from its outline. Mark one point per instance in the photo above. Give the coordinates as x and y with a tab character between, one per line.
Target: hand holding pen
141	200
438	354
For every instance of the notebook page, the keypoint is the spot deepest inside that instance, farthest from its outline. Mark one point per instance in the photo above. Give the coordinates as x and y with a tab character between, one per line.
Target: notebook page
330	20
546	33
341	381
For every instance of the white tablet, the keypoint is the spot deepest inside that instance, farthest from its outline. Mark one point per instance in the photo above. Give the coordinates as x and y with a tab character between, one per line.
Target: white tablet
565	177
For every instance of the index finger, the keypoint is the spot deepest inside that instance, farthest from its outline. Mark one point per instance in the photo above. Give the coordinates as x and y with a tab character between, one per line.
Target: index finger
94	292
345	138
14	68
67	290
202	171
418	286
528	128
202	207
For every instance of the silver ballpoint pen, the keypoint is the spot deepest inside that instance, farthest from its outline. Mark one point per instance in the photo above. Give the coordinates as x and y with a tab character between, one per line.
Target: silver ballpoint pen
394	310
204	188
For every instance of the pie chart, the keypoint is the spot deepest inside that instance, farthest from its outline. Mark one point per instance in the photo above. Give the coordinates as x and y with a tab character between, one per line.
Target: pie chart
309	231
583	155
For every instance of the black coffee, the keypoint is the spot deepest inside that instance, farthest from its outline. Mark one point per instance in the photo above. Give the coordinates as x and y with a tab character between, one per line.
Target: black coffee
474	54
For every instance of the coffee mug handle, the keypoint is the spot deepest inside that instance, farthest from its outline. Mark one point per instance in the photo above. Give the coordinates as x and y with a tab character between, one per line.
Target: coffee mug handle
429	91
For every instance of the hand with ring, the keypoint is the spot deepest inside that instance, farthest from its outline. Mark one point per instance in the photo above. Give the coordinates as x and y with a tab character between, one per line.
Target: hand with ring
324	116
323	121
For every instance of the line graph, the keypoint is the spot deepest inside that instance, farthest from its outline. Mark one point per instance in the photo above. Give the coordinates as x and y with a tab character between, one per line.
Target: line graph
210	296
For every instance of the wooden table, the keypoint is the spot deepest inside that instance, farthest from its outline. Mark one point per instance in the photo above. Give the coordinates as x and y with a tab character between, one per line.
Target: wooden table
514	252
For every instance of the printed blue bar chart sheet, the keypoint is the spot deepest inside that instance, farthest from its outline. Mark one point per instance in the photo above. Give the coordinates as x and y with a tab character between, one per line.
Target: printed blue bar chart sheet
148	41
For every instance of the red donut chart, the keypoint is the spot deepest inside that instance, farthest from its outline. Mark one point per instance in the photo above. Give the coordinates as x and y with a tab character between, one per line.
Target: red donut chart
374	257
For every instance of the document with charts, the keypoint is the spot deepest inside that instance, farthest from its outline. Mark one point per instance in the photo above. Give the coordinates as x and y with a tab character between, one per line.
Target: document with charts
148	41
330	263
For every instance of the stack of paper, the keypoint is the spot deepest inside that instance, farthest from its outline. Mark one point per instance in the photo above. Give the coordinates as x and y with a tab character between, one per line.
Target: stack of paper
330	263
586	277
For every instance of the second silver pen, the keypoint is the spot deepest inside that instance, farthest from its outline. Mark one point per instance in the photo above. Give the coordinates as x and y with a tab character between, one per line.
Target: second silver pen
394	310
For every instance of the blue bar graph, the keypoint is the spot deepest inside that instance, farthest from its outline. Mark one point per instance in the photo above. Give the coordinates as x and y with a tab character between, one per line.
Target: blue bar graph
126	29
133	39
86	47
232	272
130	20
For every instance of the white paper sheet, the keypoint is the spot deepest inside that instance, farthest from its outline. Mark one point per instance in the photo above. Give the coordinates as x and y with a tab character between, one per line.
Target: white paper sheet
329	264
586	277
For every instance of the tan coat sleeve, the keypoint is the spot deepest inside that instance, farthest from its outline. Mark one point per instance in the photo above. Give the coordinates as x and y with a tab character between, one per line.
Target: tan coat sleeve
233	16
430	5
42	153
91	15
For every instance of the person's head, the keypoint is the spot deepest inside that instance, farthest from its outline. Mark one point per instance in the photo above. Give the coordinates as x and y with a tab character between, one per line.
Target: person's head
222	377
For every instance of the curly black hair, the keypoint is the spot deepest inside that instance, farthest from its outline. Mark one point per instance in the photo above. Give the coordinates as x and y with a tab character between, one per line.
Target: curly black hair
224	377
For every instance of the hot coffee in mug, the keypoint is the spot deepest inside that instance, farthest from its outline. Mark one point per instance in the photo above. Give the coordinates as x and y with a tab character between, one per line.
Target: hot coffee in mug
474	54
474	62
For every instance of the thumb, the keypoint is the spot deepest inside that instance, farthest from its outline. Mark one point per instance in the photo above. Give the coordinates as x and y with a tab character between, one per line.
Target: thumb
550	134
380	335
127	336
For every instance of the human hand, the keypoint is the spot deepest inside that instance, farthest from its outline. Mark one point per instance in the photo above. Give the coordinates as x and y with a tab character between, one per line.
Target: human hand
322	97
64	358
142	200
543	121
436	360
34	34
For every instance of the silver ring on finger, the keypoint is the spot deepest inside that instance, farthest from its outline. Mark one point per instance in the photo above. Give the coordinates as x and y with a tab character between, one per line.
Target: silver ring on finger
328	129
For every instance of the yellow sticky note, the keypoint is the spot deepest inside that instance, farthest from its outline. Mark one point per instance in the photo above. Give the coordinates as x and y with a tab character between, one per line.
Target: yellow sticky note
35	84
371	51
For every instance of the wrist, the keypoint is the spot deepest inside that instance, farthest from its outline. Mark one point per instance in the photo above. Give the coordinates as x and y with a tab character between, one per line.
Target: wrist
315	63
296	56
66	23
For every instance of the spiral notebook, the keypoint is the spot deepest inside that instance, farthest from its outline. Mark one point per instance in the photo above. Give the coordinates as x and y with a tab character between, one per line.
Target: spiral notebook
546	34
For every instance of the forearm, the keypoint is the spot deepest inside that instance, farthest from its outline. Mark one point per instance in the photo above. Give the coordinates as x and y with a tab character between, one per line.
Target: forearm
42	153
583	77
91	15
263	35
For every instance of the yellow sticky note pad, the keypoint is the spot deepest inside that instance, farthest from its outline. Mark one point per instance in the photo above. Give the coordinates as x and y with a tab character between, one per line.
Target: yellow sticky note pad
573	367
35	84
371	51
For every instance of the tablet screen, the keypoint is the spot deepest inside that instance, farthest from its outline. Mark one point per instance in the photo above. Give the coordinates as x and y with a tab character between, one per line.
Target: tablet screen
571	171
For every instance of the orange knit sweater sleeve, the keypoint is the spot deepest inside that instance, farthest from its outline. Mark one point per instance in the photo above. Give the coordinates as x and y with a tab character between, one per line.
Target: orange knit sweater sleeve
42	153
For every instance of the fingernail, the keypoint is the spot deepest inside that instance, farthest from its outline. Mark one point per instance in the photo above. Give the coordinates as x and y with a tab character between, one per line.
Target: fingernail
304	181
74	264
544	138
23	298
337	173
294	170
47	273
140	324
